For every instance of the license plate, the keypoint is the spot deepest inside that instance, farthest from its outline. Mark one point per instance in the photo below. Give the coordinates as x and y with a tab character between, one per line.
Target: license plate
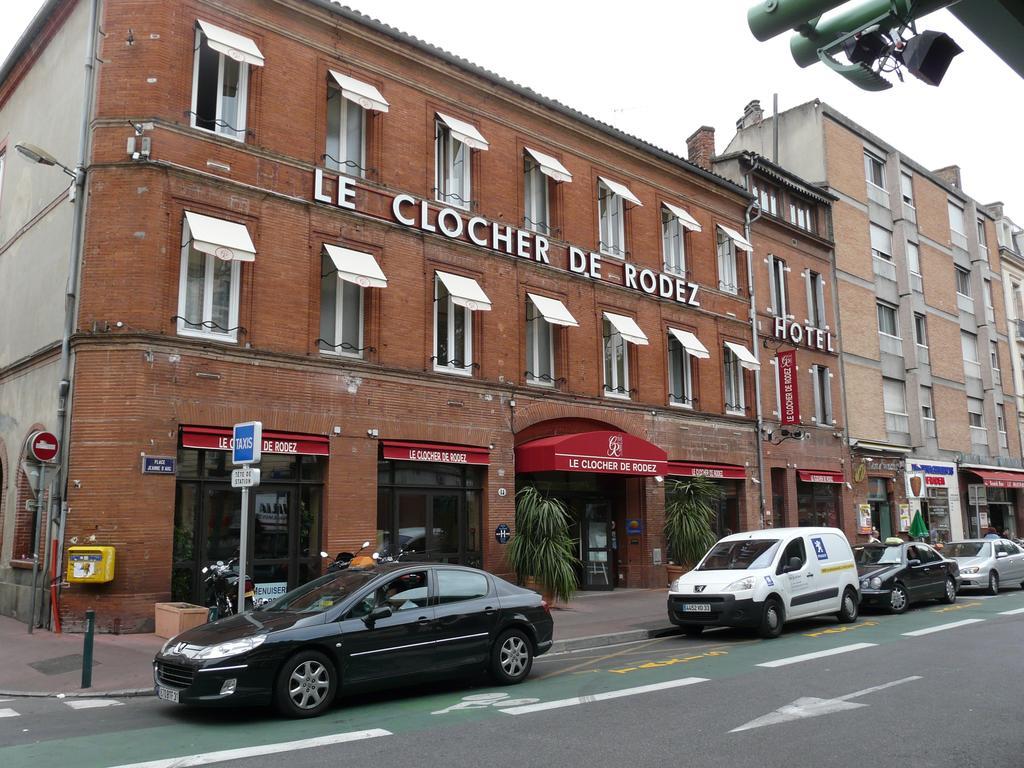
167	694
697	607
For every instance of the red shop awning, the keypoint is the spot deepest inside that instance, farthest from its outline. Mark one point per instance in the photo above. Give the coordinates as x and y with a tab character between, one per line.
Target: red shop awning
715	471
437	453
615	453
820	476
993	479
219	439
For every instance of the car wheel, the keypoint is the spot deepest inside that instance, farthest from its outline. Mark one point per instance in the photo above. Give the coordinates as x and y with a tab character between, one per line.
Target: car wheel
693	630
899	601
511	657
993	583
848	608
305	685
950	596
772	619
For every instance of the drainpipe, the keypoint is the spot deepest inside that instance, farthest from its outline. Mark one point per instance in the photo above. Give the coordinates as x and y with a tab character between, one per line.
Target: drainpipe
58	511
749	219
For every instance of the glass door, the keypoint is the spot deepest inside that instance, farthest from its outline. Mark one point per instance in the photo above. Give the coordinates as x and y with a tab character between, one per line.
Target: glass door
273	517
596	541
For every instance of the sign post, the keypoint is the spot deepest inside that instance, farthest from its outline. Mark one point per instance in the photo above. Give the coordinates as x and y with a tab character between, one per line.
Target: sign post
43	446
246	449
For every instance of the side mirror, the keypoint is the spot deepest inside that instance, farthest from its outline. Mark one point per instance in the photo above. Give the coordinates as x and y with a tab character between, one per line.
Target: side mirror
366	544
1001	554
380	612
324	554
913	562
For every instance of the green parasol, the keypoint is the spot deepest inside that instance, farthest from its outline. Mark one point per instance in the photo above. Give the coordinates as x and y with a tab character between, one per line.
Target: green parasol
918	529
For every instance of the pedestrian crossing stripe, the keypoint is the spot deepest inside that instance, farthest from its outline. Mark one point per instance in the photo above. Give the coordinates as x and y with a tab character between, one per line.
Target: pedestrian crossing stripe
6	712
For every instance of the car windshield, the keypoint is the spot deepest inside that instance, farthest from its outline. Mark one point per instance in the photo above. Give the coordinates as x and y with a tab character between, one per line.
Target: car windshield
966	549
740	555
878	555
323	593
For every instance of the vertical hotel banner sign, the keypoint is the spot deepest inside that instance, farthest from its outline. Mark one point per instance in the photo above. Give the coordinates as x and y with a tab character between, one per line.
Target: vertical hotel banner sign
789	396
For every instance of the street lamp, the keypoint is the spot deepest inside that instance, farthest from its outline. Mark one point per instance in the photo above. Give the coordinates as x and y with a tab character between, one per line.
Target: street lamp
41	156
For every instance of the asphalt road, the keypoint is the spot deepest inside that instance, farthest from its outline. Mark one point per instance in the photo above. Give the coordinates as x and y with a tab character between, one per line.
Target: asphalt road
867	695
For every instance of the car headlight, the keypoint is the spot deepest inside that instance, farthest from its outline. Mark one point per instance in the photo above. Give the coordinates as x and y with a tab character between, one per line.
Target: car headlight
167	645
875	583
231	648
678	585
970	569
742	585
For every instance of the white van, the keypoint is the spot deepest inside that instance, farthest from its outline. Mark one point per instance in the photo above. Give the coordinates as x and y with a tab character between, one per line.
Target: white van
765	578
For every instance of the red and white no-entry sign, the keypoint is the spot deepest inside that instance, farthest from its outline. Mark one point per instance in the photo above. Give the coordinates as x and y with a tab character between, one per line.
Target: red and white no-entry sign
43	446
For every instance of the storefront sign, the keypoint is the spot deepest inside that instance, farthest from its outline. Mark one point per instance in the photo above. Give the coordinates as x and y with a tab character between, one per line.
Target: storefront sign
714	471
864	518
634	527
603	452
806	335
496	236
789	394
939	502
904	517
159	465
218	439
819	476
398	450
268	592
916	482
502	534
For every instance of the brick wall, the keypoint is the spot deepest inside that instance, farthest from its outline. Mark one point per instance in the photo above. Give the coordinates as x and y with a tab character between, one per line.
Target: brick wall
859	310
939	278
951	418
945	350
844	158
866	416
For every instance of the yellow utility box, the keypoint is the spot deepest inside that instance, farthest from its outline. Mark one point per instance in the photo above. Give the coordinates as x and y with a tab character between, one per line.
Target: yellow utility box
91	565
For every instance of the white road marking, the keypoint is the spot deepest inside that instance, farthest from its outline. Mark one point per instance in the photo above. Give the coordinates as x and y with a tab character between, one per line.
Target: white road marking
1014	612
8	713
576	700
206	758
952	625
816	655
91	703
810	706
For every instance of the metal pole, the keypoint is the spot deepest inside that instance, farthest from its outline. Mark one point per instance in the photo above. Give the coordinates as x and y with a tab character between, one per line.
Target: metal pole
90	629
243	549
43	591
35	545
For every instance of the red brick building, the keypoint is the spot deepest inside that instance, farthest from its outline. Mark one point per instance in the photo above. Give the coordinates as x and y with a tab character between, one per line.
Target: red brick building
432	286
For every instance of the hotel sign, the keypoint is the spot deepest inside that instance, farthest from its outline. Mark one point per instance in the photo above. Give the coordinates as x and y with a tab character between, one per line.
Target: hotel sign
789	394
803	335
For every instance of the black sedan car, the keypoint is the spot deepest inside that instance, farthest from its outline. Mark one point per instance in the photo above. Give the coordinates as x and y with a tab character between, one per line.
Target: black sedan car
358	628
893	576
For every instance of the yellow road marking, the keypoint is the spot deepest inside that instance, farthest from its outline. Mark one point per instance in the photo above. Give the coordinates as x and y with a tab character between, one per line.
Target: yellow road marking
598	660
669	662
843	628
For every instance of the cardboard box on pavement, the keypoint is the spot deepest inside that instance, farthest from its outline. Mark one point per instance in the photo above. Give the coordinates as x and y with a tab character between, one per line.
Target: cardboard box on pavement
174	618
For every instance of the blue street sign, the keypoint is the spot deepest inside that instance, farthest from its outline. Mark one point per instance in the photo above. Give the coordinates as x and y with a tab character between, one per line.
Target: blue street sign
503	533
247	443
159	465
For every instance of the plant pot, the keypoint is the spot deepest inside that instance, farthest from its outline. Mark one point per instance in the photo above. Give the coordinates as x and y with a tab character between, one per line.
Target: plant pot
674	571
174	618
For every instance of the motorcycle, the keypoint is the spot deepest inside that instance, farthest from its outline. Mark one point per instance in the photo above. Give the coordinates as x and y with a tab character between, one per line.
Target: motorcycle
343	559
222	589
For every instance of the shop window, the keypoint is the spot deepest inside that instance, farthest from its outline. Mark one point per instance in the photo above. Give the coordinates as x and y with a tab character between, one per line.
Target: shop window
680	375
540	348
453	333
452	164
346	135
777	284
536	194
816	300
817	504
673	242
728	278
220	85
616	362
612	216
735	396
341	312
207	293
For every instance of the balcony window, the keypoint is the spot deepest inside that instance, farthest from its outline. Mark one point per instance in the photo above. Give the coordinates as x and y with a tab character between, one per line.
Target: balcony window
881	251
777	285
894	394
969	349
816	300
927	413
220	79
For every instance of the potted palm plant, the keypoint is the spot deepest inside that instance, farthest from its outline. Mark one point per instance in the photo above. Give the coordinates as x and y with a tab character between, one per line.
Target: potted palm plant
689	521
541	548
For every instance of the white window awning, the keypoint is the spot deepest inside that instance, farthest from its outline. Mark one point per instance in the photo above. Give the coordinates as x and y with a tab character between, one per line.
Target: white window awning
684	218
356	267
552	310
627	328
690	343
744	355
621	190
465	291
741	242
464	132
365	95
227	240
550	166
231	44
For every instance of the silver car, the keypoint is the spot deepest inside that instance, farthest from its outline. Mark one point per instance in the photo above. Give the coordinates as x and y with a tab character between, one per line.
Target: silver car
987	563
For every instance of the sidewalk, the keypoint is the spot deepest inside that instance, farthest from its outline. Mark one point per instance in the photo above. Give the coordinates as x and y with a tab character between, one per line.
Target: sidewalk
45	664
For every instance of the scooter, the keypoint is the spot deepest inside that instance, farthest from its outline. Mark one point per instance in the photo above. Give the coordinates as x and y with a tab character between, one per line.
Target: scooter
344	559
222	589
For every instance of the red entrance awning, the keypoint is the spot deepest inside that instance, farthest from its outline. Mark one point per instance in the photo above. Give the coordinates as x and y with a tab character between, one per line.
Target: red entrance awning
994	479
715	471
615	453
820	476
437	453
219	439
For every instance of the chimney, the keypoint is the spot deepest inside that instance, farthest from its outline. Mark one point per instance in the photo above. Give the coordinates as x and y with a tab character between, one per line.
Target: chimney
752	115
700	147
950	174
995	210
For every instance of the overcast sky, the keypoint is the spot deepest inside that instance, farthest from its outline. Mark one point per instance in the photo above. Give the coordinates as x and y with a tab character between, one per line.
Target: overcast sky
659	70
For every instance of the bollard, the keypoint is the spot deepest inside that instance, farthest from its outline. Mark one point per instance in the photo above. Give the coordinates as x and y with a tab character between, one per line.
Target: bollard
90	629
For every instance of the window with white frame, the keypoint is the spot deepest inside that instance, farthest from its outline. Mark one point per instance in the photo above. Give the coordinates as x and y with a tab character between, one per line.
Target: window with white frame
1018	300
728	280
976	421
956	218
881	243
801	214
540	348
220	80
673	242
888	320
821	378
982	239
816	300
874	169
768	197
207	293
612	217
994	358
536	216
735	395
453	332
680	374
914	266
969	349
452	168
963	282
346	134
341	312
616	362
990	310
894	397
777	285
920	330
907	188
1001	426
927	412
